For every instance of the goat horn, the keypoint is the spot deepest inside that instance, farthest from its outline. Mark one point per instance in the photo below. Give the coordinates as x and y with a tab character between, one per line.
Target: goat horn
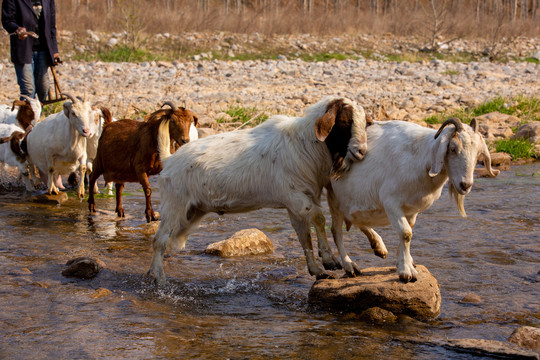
173	107
454	121
26	98
69	96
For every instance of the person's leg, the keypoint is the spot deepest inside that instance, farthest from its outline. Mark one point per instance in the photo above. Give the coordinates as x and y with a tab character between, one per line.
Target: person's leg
40	75
25	79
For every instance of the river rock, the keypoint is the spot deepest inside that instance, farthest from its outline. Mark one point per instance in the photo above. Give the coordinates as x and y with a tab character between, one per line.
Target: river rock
50	198
491	348
380	287
376	315
500	159
243	242
527	337
83	268
530	131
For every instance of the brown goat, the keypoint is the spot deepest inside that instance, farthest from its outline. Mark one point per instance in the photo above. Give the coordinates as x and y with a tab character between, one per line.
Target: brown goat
129	151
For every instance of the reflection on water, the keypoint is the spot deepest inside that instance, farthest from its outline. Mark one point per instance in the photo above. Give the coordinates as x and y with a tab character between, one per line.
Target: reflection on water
255	307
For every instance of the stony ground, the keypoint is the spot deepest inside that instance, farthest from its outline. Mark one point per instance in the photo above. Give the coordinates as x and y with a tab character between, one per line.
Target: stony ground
398	90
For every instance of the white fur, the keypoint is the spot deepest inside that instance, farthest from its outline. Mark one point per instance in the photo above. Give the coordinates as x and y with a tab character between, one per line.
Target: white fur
278	164
57	145
7	116
402	175
9	158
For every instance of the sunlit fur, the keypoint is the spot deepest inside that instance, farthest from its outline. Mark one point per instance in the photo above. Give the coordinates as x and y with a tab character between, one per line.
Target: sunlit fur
131	151
403	174
278	164
57	144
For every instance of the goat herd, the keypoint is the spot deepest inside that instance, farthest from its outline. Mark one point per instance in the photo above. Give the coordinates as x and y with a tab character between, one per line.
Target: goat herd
283	163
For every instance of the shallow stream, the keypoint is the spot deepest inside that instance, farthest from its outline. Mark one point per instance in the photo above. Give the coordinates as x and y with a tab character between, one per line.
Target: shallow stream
256	307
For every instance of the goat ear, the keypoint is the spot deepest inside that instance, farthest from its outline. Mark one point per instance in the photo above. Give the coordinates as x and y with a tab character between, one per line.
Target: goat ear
195	121
438	152
67	108
17	103
324	124
474	125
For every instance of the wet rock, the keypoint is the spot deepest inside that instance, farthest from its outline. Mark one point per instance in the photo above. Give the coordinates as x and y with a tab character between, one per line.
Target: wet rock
83	268
244	242
50	199
490	348
376	315
471	299
380	287
530	131
101	292
527	337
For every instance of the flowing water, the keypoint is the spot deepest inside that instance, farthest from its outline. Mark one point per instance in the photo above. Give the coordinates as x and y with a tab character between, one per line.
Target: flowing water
256	307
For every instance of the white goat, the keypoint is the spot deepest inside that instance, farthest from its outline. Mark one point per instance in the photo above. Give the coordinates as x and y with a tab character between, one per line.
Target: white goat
57	144
402	175
282	163
9	157
27	113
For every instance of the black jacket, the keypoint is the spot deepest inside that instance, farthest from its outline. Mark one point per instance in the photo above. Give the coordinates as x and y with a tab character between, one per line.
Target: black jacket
20	13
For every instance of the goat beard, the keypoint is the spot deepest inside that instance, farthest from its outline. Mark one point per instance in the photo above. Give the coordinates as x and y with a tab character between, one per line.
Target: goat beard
340	166
458	198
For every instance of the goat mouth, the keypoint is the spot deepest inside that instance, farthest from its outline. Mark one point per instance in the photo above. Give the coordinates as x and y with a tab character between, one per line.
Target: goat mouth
355	155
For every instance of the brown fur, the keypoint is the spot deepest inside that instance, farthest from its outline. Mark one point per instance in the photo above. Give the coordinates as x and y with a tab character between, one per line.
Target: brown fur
340	134
15	144
25	115
128	152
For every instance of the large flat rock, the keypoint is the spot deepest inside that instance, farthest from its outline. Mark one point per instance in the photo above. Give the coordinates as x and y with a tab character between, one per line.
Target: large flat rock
380	287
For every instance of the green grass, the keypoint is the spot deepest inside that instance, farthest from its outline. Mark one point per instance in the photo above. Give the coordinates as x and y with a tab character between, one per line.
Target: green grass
517	148
52	109
532	60
122	53
525	108
450	72
243	115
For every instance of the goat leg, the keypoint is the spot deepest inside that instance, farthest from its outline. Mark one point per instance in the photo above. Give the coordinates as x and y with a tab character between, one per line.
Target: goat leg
119	209
149	212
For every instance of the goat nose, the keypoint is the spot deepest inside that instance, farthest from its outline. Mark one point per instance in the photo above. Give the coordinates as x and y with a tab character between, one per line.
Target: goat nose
86	131
465	185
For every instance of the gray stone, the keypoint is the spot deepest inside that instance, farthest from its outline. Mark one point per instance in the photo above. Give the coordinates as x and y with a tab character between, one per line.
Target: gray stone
530	131
380	287
243	242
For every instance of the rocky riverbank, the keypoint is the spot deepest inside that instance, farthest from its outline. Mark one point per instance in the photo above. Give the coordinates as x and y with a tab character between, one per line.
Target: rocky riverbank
404	90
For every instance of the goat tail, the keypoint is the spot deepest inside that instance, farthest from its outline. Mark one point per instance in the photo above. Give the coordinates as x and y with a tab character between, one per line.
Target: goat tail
164	140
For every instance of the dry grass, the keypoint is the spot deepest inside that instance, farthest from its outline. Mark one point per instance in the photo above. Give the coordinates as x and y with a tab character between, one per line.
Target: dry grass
177	16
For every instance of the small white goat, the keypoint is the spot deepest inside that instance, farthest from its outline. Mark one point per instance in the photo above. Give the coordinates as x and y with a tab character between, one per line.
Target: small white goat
282	163
9	157
27	113
57	144
402	175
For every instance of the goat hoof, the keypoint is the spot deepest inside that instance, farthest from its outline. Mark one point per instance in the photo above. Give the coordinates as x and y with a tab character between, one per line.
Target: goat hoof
349	275
120	213
324	275
92	208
